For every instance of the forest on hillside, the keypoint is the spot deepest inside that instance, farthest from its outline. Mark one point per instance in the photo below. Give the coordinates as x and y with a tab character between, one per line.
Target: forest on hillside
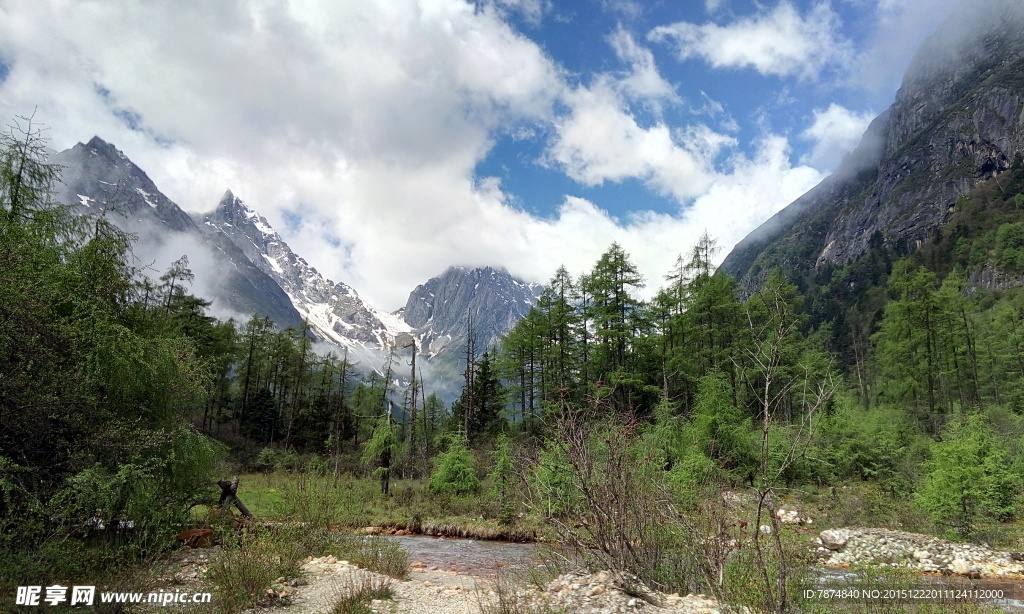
118	392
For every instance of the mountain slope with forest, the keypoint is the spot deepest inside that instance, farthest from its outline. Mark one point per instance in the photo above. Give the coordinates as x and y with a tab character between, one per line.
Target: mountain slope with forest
958	119
245	267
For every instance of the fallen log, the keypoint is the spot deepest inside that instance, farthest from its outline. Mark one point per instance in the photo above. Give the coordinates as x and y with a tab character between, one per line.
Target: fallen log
197	538
229	496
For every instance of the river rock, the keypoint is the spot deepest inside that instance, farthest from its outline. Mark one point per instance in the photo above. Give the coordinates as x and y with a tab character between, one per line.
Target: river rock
834	539
922	553
605	592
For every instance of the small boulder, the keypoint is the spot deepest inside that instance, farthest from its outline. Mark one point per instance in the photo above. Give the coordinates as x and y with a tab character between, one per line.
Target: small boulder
834	539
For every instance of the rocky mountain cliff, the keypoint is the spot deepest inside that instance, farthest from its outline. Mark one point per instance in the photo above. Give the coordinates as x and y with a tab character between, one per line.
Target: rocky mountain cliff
440	311
435	313
335	311
957	119
97	178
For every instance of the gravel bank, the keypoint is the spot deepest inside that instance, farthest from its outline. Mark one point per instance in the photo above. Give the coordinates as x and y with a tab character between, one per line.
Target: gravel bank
431	590
842	548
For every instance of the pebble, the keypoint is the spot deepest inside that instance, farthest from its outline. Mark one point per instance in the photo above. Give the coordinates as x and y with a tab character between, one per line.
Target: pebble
444	591
922	553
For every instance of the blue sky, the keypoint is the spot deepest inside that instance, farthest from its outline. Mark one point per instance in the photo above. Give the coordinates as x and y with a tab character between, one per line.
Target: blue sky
389	139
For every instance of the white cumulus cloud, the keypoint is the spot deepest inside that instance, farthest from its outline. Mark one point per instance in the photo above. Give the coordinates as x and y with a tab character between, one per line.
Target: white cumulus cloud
642	81
364	124
835	132
779	42
600	140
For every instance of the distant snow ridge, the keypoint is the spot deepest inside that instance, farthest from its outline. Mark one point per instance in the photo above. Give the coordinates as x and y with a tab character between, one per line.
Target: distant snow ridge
335	311
436	315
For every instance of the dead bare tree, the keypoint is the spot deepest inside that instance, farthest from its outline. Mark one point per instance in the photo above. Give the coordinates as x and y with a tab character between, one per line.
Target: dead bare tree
775	389
610	509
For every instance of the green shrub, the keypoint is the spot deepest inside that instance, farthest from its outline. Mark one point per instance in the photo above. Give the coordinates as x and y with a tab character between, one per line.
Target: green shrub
383	556
967	477
272	459
266	461
454	472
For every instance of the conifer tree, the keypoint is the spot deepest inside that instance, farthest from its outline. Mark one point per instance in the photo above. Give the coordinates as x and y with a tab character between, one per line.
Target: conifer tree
617	317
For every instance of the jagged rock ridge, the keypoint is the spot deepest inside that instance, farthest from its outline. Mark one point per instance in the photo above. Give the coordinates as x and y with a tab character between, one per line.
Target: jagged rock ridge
98	179
957	119
333	310
440	311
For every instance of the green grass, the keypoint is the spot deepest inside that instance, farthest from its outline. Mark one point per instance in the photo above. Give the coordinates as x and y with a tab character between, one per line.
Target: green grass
262	494
356	595
355	503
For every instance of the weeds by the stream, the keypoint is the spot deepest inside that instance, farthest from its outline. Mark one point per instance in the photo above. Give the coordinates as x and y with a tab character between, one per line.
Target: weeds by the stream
510	597
353	503
254	557
358	592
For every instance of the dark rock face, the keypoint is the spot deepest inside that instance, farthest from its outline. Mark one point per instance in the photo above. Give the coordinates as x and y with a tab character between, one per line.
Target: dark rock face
334	311
439	310
957	119
98	174
98	178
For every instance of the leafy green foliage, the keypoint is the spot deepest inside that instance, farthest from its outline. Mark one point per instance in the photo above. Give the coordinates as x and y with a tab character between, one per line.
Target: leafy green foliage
97	382
968	477
454	471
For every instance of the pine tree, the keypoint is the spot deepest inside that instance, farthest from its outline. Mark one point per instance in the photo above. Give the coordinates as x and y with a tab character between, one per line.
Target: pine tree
490	400
561	323
702	321
906	345
617	317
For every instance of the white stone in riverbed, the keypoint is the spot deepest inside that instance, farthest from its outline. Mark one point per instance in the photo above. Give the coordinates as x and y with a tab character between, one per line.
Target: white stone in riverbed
960	567
834	539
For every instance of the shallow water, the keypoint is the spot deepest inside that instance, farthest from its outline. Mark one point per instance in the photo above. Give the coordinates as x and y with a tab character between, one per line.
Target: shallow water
1012	591
469	556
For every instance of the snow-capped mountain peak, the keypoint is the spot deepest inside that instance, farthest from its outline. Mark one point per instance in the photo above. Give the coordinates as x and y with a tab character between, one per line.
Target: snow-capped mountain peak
334	310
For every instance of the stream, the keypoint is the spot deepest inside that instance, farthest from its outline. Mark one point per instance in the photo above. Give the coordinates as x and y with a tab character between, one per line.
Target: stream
469	556
484	558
